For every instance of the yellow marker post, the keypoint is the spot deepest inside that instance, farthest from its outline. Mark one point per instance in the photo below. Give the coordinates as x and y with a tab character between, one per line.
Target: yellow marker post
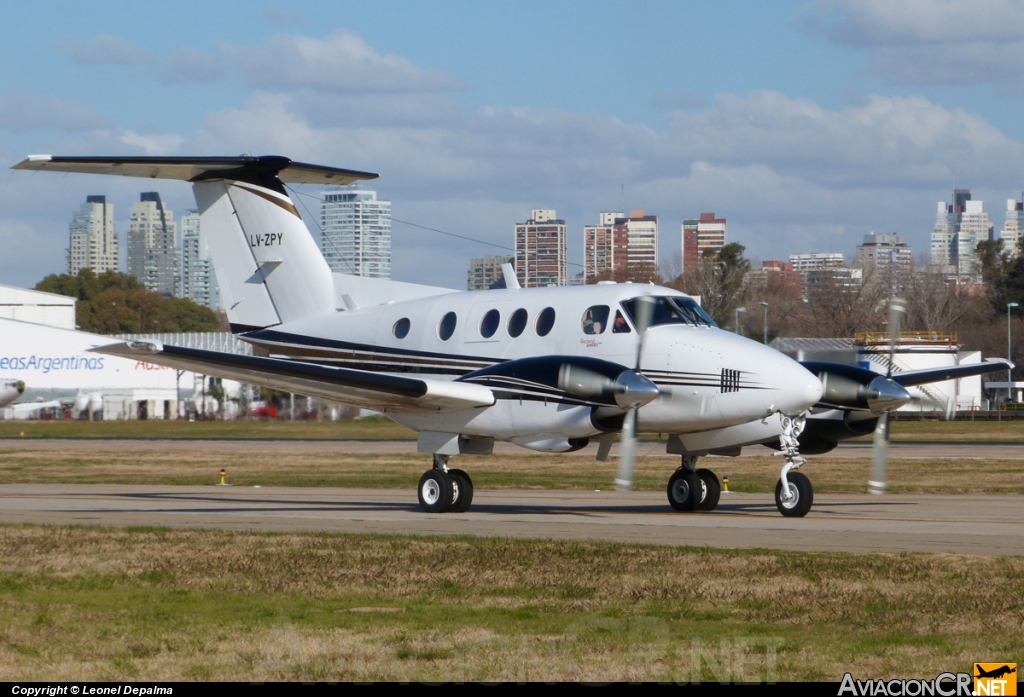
725	484
223	473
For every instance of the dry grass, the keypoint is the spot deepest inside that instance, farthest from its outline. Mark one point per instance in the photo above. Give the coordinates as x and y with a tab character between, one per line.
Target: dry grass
312	464
101	604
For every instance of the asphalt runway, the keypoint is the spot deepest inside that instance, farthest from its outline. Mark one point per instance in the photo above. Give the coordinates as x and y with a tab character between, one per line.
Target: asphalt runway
971	524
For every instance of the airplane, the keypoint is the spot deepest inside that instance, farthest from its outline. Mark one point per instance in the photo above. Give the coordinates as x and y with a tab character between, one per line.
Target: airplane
10	390
549	369
995	673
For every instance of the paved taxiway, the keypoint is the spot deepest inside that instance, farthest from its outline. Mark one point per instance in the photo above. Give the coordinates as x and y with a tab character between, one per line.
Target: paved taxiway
973	524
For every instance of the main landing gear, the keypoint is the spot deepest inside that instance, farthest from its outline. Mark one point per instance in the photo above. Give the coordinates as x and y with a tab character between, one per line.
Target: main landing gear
793	492
442	489
693	489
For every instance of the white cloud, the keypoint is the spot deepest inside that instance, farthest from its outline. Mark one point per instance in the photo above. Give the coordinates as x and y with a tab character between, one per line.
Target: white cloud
927	41
341	63
105	49
24	111
153	144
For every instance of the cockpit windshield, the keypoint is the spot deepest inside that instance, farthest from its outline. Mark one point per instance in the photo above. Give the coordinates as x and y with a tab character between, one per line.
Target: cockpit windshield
671	309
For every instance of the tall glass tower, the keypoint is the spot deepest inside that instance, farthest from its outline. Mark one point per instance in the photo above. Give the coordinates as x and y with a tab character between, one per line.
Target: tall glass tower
356	232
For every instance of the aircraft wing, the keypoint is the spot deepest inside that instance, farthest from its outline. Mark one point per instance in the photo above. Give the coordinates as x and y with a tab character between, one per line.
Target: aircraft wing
356	387
196	168
23	407
909	378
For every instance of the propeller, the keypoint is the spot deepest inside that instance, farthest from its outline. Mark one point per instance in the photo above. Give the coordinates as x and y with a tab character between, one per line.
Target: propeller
627	450
630	390
880	455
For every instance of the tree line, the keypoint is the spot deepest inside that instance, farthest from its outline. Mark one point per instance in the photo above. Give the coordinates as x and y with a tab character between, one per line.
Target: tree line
116	303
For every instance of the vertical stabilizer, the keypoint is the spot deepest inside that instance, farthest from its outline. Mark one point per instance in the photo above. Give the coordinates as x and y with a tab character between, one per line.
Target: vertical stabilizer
264	256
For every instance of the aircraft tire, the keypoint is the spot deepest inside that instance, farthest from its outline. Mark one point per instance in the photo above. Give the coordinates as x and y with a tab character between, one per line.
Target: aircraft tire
801	486
684	490
464	489
435	491
711	490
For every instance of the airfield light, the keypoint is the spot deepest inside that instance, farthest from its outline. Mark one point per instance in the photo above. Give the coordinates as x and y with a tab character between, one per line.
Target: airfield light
765	321
738	311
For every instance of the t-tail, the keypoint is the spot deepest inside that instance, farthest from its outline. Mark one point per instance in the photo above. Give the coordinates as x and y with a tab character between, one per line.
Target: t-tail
269	268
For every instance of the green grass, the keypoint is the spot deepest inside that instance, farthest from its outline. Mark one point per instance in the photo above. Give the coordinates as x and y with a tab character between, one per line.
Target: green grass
103	604
370	428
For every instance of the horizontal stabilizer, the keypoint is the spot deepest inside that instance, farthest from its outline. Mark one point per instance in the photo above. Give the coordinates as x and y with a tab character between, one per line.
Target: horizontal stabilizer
909	378
243	168
357	387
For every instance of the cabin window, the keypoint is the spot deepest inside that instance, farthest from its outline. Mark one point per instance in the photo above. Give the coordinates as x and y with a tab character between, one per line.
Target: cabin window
545	321
517	323
595	319
620	326
446	327
401	328
489	323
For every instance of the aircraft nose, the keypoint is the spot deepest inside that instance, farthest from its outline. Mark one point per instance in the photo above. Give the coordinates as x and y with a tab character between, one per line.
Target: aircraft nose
799	388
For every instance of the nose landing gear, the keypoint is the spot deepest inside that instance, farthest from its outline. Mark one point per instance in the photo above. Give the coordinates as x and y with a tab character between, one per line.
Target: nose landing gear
442	489
793	492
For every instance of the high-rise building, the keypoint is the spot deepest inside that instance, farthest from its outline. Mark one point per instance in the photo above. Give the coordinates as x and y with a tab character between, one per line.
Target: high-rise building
485	272
619	241
540	250
1013	230
703	235
93	237
816	261
959	227
198	280
356	232
886	257
824	269
153	245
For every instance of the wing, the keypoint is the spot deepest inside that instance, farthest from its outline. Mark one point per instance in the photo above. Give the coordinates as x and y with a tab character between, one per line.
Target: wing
356	387
197	168
909	378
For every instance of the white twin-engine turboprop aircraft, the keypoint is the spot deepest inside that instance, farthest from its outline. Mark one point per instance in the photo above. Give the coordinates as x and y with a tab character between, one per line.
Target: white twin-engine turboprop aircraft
545	368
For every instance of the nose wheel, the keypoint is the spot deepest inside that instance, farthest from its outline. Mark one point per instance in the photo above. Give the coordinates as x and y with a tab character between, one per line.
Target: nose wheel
794	494
444	490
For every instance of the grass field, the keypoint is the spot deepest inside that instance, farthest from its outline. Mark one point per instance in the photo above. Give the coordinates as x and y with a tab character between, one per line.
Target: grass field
329	464
103	604
382	428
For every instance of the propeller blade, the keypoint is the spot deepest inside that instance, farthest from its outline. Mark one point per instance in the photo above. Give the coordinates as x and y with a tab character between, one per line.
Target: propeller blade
896	309
607	440
627	452
876	485
644	315
585	383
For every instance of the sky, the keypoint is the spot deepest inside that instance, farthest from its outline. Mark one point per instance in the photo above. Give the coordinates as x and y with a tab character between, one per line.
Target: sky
806	124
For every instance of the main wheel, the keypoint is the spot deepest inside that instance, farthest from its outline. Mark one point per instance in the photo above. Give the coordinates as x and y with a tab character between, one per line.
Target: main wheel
463	491
710	490
802	496
684	490
435	491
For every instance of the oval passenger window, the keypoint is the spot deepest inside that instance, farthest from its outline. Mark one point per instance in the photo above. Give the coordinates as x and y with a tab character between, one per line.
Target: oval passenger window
489	323
595	319
517	323
401	328
545	321
446	327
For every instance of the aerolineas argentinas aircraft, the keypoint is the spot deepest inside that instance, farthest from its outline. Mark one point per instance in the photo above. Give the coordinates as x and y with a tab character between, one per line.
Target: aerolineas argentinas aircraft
545	368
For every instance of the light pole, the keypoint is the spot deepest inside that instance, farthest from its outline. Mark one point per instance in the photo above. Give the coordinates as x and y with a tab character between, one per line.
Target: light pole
765	321
738	311
1009	350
